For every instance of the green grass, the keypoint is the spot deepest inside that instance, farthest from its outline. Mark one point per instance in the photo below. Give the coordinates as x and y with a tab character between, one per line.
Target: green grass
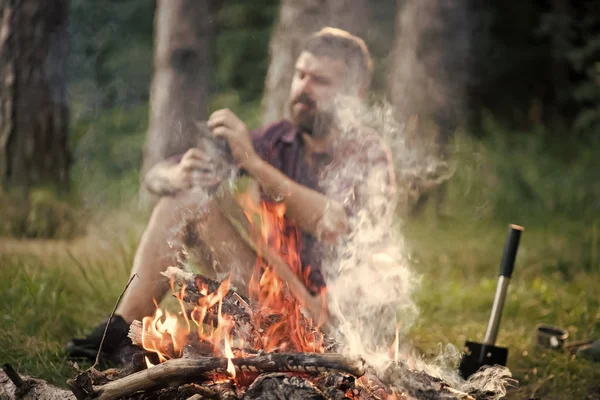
553	283
47	300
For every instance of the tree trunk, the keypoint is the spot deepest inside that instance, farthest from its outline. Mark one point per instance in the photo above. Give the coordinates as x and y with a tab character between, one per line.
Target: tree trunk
430	61
33	105
428	80
179	92
297	20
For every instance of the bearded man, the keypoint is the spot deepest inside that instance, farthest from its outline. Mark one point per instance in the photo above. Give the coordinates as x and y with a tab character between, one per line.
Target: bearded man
325	171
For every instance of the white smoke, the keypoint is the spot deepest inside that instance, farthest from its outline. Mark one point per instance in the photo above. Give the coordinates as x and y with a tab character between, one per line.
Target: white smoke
370	280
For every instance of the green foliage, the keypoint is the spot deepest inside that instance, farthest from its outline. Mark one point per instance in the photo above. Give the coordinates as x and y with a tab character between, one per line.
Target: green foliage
522	176
587	92
576	38
42	214
50	217
549	187
108	155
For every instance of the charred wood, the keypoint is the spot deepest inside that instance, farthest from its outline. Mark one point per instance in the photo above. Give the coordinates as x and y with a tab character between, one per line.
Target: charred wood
225	391
421	385
283	386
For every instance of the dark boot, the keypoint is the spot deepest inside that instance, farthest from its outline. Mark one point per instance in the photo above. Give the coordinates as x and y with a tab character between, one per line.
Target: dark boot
116	349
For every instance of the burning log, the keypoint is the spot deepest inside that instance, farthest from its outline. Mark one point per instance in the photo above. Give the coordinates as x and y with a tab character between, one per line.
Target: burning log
180	371
249	324
192	349
232	304
198	286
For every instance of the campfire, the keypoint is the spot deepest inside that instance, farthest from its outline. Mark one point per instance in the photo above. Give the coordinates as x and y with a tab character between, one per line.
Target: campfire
226	344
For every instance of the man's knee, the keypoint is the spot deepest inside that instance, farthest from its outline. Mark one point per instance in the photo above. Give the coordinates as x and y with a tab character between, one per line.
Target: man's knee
180	209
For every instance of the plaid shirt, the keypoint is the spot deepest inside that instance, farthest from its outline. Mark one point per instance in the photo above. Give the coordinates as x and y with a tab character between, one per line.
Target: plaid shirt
356	171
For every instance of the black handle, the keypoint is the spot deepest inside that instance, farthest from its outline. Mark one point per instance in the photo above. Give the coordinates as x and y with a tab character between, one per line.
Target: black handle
510	250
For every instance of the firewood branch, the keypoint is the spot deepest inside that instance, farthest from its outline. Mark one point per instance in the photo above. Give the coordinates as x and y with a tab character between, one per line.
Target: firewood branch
181	370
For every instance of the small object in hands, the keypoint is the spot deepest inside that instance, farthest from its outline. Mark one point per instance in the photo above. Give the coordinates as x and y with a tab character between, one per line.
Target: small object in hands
477	355
550	336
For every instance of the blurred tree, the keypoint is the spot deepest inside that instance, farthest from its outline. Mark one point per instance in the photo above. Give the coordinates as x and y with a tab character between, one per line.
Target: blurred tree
427	80
179	92
430	64
298	19
33	105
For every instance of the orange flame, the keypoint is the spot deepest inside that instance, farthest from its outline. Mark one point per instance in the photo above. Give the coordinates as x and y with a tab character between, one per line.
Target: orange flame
148	363
287	329
229	355
276	315
165	336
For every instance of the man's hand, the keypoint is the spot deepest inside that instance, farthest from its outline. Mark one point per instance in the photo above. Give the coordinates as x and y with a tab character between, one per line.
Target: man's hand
195	169
224	123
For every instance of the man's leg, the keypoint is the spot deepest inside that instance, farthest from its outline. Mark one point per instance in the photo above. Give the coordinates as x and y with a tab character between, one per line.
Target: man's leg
160	247
219	245
223	251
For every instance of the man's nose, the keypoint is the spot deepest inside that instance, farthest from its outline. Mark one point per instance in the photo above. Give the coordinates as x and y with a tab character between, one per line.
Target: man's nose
305	86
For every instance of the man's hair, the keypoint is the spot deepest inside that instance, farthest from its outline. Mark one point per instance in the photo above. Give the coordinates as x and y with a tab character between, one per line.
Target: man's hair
340	44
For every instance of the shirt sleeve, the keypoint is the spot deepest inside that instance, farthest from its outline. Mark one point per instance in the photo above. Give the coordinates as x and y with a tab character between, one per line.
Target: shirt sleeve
258	141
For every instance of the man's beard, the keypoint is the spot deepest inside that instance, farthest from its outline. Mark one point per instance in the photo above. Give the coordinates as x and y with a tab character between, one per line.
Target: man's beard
317	123
323	124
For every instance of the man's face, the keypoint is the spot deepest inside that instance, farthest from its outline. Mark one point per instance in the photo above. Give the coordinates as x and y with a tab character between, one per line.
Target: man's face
317	80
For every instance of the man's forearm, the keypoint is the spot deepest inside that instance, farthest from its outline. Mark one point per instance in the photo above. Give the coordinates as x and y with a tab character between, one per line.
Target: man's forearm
313	212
